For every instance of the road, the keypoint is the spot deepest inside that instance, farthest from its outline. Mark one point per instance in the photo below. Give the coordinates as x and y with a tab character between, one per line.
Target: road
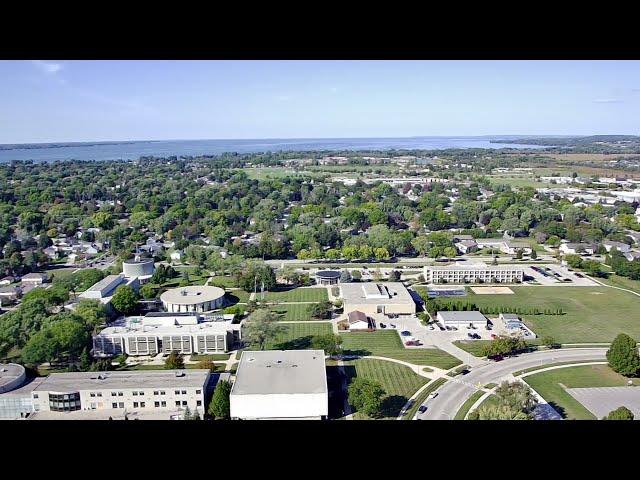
455	392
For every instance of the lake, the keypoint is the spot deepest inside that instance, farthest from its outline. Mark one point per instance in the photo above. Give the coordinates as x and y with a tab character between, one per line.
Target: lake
102	151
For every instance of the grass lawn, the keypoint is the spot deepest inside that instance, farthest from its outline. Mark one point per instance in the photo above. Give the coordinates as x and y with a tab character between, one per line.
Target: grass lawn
388	344
467	405
592	314
540	367
297	295
458	370
474	347
61	273
223	281
548	385
622	282
216	357
398	381
292	312
297	336
237	296
423	396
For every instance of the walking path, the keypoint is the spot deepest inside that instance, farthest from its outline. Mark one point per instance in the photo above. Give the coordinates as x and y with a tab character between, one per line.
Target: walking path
611	286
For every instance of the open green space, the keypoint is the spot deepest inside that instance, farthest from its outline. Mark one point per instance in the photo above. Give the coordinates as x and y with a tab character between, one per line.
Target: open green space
216	357
398	381
223	281
622	282
551	385
60	273
592	314
297	295
419	400
297	336
388	344
474	347
294	312
237	296
540	367
464	409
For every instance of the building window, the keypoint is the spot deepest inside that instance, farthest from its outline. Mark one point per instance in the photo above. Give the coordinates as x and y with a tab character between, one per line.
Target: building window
114	405
113	394
199	403
198	392
177	392
184	403
135	404
177	403
155	393
162	392
120	394
135	394
121	405
99	394
164	404
184	392
156	404
91	394
142	404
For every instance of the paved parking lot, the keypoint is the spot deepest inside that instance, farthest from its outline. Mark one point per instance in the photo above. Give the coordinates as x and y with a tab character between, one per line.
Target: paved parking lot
557	280
600	401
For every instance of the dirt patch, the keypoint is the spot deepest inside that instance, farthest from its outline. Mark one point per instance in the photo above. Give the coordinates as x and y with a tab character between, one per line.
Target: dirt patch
492	290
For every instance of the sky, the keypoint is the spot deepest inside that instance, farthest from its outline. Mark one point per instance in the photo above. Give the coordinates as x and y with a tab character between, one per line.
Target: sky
78	101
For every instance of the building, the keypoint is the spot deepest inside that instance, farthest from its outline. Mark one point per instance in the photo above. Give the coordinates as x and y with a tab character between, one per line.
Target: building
371	298
460	319
515	326
621	247
327	277
142	268
10	294
165	332
280	385
577	248
194	298
508	246
15	392
358	320
167	391
473	273
8	280
466	246
34	279
106	288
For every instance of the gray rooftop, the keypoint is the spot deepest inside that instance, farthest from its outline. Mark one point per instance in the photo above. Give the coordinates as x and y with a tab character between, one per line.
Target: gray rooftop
277	372
76	381
375	293
471	316
10	372
105	282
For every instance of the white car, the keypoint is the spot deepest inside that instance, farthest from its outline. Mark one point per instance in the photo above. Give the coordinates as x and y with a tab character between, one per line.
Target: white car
432	395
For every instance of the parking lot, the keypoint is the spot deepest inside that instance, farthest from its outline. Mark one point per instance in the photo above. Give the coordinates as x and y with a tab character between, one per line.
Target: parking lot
602	400
557	275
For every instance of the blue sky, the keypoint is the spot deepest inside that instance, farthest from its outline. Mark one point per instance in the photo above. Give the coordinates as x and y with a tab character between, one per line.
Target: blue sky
64	101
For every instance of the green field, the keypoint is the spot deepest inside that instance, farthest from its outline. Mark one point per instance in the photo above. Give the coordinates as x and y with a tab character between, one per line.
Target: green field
297	295
297	336
388	344
548	384
466	406
237	296
474	347
622	282
592	314
398	381
223	281
540	367
60	273
294	312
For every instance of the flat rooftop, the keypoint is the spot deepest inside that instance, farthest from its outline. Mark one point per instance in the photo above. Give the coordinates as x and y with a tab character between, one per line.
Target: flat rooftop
104	283
76	381
278	372
375	293
471	266
10	372
472	316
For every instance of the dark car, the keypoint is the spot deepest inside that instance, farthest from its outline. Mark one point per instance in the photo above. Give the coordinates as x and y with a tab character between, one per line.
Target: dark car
496	358
382	325
392	325
405	333
465	371
471	335
422	409
579	275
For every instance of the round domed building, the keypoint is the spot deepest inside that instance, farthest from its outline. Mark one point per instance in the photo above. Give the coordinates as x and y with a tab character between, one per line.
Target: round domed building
328	277
194	298
142	268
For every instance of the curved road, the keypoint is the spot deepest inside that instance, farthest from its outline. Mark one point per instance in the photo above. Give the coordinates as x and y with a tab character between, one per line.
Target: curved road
455	392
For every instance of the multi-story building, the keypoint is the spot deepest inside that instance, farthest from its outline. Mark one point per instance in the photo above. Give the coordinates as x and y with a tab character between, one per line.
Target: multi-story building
165	332
139	391
473	273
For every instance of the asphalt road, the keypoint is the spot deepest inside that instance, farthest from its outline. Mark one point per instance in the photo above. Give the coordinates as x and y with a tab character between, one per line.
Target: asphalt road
455	392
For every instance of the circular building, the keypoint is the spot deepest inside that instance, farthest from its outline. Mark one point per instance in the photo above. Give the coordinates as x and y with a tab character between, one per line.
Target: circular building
142	268
195	298
12	375
328	277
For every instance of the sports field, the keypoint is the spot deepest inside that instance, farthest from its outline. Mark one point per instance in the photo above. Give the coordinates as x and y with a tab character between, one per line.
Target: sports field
589	316
388	344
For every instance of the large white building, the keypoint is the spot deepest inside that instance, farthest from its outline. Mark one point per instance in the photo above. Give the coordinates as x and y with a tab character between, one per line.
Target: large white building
165	332
473	273
373	297
105	289
461	319
280	385
194	298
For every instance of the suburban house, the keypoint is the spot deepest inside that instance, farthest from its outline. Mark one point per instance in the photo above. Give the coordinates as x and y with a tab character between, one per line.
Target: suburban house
34	279
577	248
358	320
621	247
466	246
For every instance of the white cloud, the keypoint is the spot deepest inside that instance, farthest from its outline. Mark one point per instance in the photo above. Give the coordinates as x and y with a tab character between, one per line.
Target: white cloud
49	68
608	100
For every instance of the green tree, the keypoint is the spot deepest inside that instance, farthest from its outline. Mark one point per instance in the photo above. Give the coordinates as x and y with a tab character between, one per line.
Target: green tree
330	343
366	396
262	327
345	276
148	291
125	300
550	342
92	313
623	356
620	413
320	310
175	360
220	405
534	254
85	360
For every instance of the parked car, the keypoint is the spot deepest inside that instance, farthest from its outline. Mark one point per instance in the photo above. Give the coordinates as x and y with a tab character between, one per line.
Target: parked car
433	395
422	409
470	335
579	275
405	333
392	325
411	343
476	336
431	327
454	328
448	327
382	325
493	335
465	371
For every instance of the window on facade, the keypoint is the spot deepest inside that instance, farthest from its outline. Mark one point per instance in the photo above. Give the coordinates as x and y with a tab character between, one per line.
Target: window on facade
156	404
135	394
135	404
142	404
184	392
155	393
199	403
92	394
99	394
162	392
177	403
113	394
121	405
164	404
198	392
184	403
177	392
120	394
114	405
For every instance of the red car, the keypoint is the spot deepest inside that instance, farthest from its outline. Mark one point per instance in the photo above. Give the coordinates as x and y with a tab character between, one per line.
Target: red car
411	343
496	358
493	335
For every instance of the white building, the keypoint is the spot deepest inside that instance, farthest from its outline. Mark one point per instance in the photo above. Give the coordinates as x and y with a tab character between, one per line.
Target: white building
161	332
194	298
34	279
358	320
371	298
167	391
577	248
510	247
473	273
105	289
621	247
460	319
280	385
